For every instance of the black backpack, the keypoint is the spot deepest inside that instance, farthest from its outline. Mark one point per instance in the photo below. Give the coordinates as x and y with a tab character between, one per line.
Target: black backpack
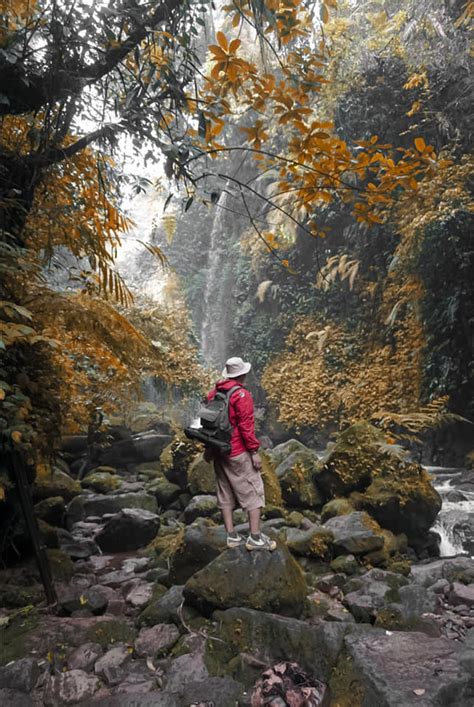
216	430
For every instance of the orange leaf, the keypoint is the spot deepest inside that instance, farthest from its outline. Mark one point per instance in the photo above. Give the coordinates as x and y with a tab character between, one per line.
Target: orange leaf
222	39
420	144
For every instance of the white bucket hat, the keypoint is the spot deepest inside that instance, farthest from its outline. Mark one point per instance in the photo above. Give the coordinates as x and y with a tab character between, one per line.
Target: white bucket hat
235	367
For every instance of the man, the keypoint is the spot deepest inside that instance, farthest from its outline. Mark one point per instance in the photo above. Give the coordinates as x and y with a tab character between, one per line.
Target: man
239	482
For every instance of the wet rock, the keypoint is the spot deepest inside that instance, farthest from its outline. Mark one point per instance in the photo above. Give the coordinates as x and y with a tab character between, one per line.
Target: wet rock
78	548
355	533
51	510
315	542
271	638
136	564
283	450
295	474
90	599
461	594
164	609
22	675
60	564
99	505
129	529
84	657
200	507
269	581
199	545
49	534
69	688
185	669
408	669
216	691
154	641
140	595
101	482
201	477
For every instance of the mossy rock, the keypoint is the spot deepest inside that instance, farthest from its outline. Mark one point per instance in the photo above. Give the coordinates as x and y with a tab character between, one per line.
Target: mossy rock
283	450
271	483
53	482
165	492
344	684
404	501
336	507
101	482
51	510
176	459
108	633
14	636
49	534
295	474
315	543
201	477
392	619
62	567
345	563
270	512
102	470
13	596
166	545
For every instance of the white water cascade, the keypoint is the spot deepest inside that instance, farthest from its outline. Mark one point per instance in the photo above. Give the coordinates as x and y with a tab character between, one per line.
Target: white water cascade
455	522
218	289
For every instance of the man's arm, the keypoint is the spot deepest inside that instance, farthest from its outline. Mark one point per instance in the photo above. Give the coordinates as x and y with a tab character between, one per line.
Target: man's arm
244	414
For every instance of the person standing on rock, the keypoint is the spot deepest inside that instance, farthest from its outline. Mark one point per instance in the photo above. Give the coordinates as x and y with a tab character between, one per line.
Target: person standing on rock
239	482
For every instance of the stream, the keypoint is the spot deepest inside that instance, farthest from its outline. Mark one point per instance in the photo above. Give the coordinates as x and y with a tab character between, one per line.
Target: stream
455	522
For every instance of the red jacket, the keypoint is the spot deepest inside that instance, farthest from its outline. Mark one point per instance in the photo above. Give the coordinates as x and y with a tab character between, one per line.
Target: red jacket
240	416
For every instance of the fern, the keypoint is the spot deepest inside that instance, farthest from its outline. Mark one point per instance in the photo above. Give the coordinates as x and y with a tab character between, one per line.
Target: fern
432	415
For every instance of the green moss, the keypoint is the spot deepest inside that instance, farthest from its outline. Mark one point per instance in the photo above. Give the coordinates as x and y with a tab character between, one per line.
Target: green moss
165	546
344	684
392	620
62	567
107	633
101	482
13	637
336	507
271	484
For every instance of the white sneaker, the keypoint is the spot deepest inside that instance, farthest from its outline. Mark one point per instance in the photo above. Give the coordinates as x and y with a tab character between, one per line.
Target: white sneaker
234	541
263	543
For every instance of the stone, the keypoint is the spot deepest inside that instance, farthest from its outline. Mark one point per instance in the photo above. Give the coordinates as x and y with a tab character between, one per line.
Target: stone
452	569
90	599
185	669
21	675
51	510
54	482
110	664
129	529
408	669
78	548
270	638
315	542
49	534
84	657
60	564
110	632
269	581
461	594
370	592
283	450
295	474
201	477
163	610
101	482
153	642
99	505
215	691
176	459
69	688
345	563
165	492
155	698
140	595
199	545
143	447
336	507
355	533
200	507
13	698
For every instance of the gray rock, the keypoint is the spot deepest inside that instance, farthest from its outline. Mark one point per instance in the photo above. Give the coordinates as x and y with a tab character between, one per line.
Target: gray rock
140	448
84	657
111	665
78	548
22	675
98	505
217	691
156	640
370	592
140	595
185	669
163	610
269	581
391	667
158	698
461	594
90	599
13	698
136	564
69	688
165	492
51	510
200	507
129	529
200	545
355	533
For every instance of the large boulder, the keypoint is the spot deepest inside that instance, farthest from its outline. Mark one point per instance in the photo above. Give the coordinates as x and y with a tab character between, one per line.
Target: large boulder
166	492
295	474
315	542
200	507
404	501
269	639
283	450
163	610
51	510
128	530
355	533
201	477
199	545
98	505
144	447
395	669
451	569
101	482
268	581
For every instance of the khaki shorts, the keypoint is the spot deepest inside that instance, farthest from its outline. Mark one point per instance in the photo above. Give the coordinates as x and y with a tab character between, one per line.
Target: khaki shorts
238	483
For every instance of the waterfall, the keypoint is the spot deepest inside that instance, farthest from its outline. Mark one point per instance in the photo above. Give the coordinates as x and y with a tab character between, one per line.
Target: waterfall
218	289
454	523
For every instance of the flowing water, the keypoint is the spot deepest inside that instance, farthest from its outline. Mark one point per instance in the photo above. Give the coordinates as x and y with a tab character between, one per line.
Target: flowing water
455	522
218	290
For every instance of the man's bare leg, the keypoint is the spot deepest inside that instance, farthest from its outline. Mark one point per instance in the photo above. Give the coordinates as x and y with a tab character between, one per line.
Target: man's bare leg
254	521
228	518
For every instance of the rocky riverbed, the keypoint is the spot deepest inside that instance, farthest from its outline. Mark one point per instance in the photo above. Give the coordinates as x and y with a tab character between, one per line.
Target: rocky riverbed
353	608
